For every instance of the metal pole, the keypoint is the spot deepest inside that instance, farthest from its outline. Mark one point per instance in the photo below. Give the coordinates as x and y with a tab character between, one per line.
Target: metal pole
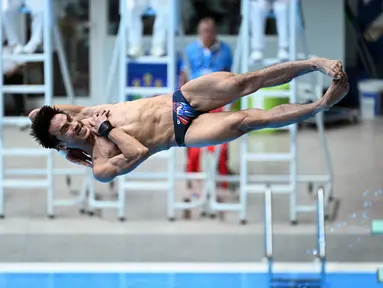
48	81
171	83
244	38
122	31
293	127
321	224
321	237
1	120
269	229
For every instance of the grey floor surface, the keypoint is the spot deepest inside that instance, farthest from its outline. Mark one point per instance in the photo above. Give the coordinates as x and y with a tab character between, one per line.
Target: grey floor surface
356	151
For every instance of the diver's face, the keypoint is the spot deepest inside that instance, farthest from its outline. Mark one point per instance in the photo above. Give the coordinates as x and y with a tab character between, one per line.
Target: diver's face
68	130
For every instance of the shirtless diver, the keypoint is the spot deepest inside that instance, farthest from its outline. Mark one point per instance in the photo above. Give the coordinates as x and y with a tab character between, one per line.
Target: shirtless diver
114	139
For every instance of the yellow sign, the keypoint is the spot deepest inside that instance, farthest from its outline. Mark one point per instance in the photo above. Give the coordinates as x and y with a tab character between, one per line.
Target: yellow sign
158	83
148	79
136	83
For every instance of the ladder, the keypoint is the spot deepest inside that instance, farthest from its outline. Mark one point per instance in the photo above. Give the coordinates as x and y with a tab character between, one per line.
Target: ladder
282	184
319	253
46	57
142	181
150	181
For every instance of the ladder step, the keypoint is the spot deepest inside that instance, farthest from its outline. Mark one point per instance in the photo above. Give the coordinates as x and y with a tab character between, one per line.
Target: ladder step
147	175
306	208
25	57
150	185
190	176
165	175
24	89
149	60
42	172
67	202
227	178
280	189
22	152
148	91
25	184
226	207
269	157
9	120
162	154
286	178
103	204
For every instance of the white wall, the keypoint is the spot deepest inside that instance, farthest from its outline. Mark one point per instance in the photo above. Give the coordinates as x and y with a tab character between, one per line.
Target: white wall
325	33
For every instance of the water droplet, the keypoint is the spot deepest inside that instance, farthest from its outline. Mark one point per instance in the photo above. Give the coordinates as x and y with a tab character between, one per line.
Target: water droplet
367	203
353	216
350	246
358	239
315	252
332	230
366	193
308	252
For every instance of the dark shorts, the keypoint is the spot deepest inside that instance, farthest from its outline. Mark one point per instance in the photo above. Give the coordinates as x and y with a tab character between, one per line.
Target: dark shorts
183	116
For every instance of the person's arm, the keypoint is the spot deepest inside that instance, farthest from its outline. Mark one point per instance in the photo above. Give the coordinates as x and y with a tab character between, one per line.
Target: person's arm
133	154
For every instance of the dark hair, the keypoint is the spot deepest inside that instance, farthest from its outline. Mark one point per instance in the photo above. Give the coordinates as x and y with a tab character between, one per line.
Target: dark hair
40	127
207	19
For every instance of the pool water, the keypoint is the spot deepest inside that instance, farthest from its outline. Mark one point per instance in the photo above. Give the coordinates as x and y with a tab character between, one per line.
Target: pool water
184	280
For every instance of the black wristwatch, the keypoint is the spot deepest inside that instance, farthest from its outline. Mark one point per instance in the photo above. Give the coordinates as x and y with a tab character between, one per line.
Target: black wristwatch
105	129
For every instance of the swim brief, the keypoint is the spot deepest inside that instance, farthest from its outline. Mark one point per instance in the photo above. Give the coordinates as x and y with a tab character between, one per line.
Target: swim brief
183	115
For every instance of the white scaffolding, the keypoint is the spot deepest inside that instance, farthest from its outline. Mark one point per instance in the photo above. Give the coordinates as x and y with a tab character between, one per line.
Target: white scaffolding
155	181
142	181
282	184
46	57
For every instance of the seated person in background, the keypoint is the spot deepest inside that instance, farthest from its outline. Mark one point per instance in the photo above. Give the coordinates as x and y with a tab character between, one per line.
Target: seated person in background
119	137
259	10
136	9
11	20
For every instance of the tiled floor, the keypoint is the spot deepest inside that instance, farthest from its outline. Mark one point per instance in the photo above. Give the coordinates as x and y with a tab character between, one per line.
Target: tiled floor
147	235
